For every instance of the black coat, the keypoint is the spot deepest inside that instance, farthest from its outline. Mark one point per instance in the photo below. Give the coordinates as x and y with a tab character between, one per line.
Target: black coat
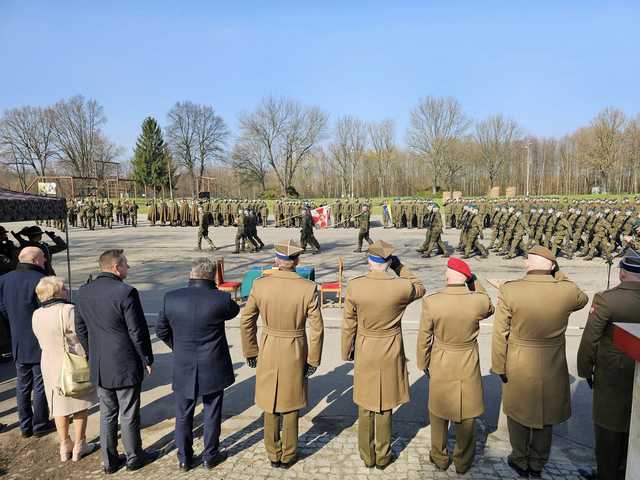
191	323
18	301
112	328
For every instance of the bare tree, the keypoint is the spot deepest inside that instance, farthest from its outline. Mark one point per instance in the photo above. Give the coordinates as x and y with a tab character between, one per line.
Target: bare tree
382	138
76	128
435	123
288	131
496	136
347	150
27	141
249	160
196	136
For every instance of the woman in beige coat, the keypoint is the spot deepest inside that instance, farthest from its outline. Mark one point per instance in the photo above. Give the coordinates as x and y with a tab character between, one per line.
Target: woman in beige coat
47	320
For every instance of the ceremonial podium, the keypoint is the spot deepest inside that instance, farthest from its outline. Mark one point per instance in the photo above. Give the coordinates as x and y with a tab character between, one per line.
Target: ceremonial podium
626	336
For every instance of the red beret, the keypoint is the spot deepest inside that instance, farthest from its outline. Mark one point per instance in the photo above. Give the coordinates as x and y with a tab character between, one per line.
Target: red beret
459	266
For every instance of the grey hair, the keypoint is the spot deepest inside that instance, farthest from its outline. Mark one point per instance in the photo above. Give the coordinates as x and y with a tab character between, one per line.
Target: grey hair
203	268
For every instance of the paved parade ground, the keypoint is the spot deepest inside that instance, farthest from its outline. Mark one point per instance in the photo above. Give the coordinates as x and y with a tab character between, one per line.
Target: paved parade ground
160	260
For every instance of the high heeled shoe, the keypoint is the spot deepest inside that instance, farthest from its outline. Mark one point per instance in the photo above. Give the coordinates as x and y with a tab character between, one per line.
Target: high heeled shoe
82	449
66	449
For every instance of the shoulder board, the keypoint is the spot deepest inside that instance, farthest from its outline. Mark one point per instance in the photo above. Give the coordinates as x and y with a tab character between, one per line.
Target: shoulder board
357	276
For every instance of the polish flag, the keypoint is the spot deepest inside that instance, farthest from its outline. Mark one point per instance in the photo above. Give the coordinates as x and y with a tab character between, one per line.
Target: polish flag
321	217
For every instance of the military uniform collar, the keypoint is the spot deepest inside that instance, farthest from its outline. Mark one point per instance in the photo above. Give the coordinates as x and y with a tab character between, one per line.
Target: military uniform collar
539	276
284	273
629	285
378	275
456	289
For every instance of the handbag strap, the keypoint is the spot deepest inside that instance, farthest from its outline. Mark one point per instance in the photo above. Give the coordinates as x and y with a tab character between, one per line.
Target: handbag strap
64	338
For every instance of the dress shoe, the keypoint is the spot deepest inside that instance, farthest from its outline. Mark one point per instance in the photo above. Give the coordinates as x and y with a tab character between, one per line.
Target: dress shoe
26	433
144	459
275	464
185	466
51	427
115	467
522	473
217	459
287	466
535	473
392	459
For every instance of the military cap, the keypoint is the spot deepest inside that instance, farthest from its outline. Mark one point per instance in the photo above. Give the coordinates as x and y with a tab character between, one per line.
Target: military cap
459	266
543	252
31	231
631	261
288	250
380	251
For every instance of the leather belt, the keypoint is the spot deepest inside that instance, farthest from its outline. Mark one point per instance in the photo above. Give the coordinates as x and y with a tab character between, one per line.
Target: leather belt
537	342
275	332
454	346
391	332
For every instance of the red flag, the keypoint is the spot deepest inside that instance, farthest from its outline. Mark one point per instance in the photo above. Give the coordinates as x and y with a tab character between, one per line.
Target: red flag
321	217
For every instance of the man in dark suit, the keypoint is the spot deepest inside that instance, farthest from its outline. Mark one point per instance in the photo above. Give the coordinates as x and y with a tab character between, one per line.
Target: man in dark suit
609	371
191	323
112	328
18	301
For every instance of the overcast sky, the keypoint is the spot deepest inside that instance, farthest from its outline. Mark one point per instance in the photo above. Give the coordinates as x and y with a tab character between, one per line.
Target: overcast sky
551	65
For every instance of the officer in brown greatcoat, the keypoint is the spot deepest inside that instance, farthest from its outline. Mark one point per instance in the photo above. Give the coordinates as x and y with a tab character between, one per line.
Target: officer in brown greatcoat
528	352
448	354
287	355
372	338
609	371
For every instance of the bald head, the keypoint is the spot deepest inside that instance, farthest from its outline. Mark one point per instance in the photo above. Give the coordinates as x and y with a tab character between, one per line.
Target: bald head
32	255
536	262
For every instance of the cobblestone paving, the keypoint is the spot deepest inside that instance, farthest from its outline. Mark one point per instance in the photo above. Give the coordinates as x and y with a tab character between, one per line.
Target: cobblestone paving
328	451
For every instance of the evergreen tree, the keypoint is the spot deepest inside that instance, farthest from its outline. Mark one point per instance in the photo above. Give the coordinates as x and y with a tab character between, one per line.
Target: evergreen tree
150	165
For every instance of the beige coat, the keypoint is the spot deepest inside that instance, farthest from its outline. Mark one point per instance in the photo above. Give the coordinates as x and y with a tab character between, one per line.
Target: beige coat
286	302
529	347
372	336
46	327
448	348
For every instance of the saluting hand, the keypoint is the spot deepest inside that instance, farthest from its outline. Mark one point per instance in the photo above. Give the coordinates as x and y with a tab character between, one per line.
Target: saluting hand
504	378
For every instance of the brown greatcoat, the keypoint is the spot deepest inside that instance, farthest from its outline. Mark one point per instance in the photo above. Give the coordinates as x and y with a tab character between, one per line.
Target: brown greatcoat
448	348
529	346
610	367
372	336
285	301
47	329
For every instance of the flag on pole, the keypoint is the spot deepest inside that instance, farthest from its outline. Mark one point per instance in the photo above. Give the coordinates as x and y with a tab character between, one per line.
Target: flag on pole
321	216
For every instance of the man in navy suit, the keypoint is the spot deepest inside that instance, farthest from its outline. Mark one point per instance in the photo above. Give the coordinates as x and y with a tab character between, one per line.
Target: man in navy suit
18	301
191	323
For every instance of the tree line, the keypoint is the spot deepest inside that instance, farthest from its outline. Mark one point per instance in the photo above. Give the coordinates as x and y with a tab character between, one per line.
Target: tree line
285	147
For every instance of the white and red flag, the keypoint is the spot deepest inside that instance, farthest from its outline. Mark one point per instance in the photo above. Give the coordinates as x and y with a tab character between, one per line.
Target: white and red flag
321	216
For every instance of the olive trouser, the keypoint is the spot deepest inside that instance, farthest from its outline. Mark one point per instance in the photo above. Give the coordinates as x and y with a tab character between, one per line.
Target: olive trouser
518	243
599	243
473	244
92	223
374	437
242	237
557	245
530	446
281	436
204	234
309	238
363	235
611	453
435	238
465	449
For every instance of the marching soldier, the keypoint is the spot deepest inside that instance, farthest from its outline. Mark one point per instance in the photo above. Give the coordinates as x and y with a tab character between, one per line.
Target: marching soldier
561	232
242	234
203	229
473	233
448	354
609	371
133	214
372	338
287	355
528	353
520	229
252	229
434	234
363	234
306	233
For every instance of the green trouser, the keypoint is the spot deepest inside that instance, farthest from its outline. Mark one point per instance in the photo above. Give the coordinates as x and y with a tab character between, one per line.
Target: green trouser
435	238
611	453
281	436
530	446
363	235
599	243
557	245
473	243
465	449
517	243
374	437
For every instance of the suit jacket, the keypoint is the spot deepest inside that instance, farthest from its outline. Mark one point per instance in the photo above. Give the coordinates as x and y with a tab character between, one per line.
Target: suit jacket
598	356
111	326
191	323
18	301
